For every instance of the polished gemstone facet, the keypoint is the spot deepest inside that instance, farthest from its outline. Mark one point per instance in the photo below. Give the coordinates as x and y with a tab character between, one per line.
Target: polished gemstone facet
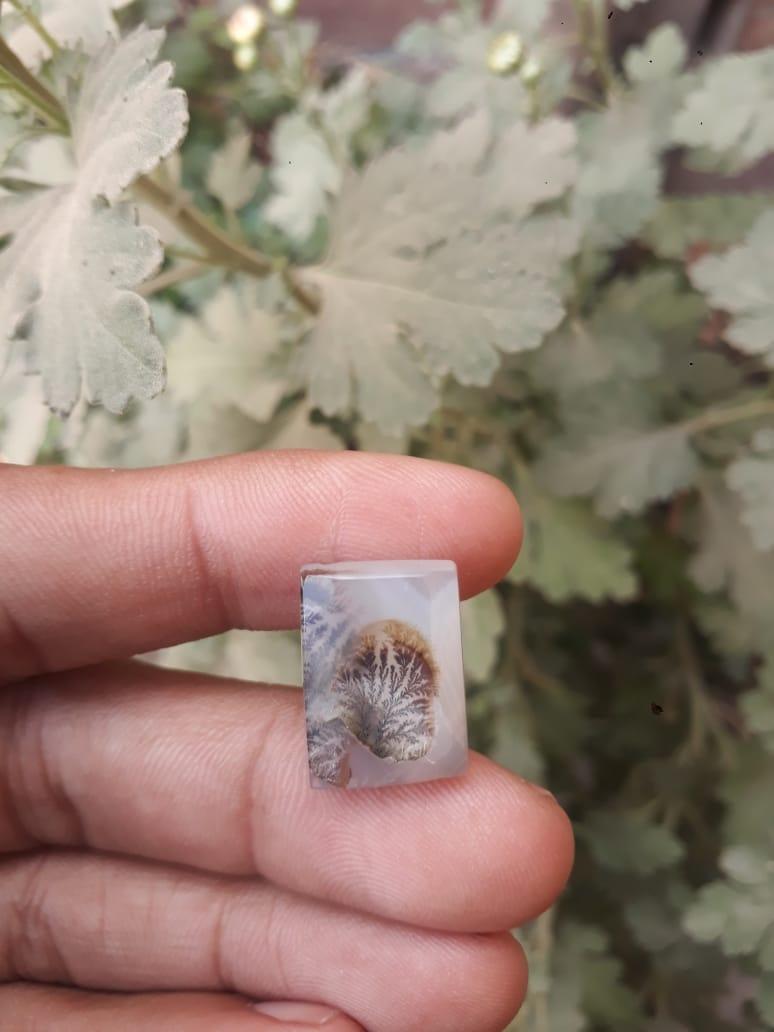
383	681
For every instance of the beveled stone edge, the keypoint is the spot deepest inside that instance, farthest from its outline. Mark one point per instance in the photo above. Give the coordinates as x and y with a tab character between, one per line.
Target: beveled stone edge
368	569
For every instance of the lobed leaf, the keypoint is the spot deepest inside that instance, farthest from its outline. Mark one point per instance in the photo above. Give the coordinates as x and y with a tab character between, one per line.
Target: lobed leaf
458	45
304	173
623	472
753	480
728	113
568	552
232	176
227	355
67	297
621	147
419	283
717	220
629	843
757	707
483	623
661	57
727	559
68	276
620	175
587	987
741	282
737	914
87	23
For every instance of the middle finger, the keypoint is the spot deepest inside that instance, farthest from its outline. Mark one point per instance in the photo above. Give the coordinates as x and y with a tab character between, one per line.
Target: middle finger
212	774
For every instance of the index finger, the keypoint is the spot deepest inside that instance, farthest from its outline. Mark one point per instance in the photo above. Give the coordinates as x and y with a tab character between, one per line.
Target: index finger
99	564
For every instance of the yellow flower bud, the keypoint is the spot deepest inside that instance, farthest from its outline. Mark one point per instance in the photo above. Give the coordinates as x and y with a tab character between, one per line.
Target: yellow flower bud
283	8
245	56
245	24
531	71
505	53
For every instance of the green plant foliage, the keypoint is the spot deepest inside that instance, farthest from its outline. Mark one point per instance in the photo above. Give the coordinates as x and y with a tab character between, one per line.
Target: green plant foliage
581	983
233	177
741	282
414	288
460	249
738	912
619	181
568	552
85	23
727	116
76	253
483	623
626	472
461	41
227	357
628	843
714	220
300	198
753	479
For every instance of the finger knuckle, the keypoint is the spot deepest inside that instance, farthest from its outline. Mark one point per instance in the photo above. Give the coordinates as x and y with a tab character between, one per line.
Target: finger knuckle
37	806
29	947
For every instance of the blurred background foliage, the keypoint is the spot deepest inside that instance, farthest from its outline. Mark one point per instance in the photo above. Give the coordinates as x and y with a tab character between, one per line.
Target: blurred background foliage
466	245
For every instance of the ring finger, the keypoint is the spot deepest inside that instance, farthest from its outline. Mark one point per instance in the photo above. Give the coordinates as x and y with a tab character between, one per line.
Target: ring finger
35	1007
102	922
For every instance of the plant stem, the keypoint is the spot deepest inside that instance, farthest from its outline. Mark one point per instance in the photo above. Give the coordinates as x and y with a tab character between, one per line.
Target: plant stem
527	666
36	25
8	82
600	47
594	41
172	276
576	93
186	253
31	90
21	91
299	290
217	245
544	941
714	418
705	723
219	248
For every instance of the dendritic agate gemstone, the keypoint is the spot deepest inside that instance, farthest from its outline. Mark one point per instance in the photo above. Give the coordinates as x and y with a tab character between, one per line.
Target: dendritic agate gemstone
383	682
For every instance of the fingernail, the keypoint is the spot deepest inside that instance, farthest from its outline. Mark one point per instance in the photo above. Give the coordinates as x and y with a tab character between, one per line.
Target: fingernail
292	1010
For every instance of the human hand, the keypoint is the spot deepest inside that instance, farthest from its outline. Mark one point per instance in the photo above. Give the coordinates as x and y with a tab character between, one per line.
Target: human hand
159	836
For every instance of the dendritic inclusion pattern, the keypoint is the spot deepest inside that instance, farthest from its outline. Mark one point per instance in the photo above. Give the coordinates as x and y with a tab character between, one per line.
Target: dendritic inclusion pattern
383	672
385	690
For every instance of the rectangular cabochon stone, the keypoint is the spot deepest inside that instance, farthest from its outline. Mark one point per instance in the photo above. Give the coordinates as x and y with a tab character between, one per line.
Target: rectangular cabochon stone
383	682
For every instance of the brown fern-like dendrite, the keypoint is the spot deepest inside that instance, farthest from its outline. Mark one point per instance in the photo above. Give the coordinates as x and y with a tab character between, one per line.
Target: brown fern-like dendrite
328	743
385	690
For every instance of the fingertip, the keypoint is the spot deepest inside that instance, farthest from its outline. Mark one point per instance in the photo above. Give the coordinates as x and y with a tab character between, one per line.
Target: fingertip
512	853
441	510
480	517
462	982
533	863
558	845
484	852
500	986
501	515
